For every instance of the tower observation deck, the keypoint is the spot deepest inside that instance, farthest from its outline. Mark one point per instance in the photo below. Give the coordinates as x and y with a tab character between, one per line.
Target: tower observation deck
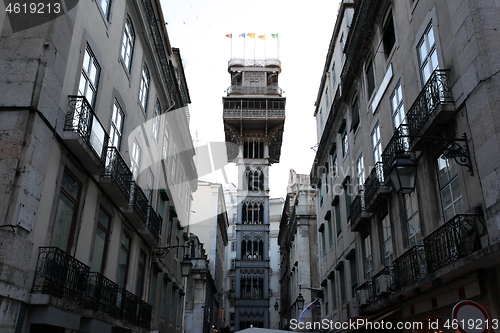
254	117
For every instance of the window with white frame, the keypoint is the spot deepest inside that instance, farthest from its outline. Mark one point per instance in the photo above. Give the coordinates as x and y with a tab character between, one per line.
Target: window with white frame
427	54
368	257
449	187
334	165
360	171
150	184
345	144
128	41
155	128
164	153
105	6
116	131
144	87
387	247
376	144
412	219
135	159
397	106
174	167
89	77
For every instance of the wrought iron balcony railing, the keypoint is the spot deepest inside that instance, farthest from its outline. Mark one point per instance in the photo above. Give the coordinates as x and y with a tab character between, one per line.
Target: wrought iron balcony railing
117	168
435	92
101	293
59	274
128	304
410	266
154	222
244	90
399	142
357	207
139	201
82	120
374	181
145	312
452	241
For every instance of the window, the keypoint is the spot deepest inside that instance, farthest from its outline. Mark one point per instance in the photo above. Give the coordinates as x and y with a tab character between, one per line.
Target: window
156	120
141	271
101	238
170	229
327	99
116	131
330	231
165	145
153	289
427	54
144	87
252	249
397	106
325	295
343	294
67	210
368	257
89	77
174	167
370	77
449	187
149	185
253	149
338	222
173	306
135	159
360	171
253	212
334	165
412	219
354	113
123	259
128	41
354	274
334	294
104	5
348	197
345	144
163	300
387	242
255	179
388	35
233	246
376	144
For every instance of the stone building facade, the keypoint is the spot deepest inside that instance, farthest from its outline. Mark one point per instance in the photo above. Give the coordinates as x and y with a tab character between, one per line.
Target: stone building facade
409	89
94	135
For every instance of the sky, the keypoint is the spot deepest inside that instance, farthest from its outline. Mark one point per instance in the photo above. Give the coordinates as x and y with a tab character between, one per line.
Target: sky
199	28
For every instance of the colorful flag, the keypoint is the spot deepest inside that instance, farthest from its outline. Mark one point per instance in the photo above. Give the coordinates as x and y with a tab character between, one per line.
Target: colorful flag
262	36
229	35
242	35
252	35
274	35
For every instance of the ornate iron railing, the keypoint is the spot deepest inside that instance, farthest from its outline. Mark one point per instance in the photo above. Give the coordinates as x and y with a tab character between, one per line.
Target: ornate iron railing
357	207
154	222
436	91
399	142
267	90
254	62
128	305
144	317
374	181
117	168
139	201
452	241
59	274
410	266
82	120
101	293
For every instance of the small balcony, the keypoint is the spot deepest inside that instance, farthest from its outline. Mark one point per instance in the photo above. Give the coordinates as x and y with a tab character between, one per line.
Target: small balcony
358	215
136	211
410	266
254	109
85	136
238	89
400	142
375	190
117	178
452	241
433	107
60	275
153	227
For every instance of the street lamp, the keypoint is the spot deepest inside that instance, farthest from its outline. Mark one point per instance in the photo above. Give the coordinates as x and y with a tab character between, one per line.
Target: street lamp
300	302
186	266
403	173
276	306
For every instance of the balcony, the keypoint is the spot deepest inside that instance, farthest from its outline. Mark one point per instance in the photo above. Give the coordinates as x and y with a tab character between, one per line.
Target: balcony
254	109
410	266
136	211
433	107
60	275
398	143
85	136
153	227
238	89
358	215
270	62
452	241
117	178
374	189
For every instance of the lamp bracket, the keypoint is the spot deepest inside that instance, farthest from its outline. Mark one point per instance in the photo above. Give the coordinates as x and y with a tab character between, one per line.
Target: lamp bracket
456	148
161	252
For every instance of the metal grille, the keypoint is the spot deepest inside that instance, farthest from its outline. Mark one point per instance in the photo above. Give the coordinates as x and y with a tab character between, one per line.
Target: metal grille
117	168
373	182
410	266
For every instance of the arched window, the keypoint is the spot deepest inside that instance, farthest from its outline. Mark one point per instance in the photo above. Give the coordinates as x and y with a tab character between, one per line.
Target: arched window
255	179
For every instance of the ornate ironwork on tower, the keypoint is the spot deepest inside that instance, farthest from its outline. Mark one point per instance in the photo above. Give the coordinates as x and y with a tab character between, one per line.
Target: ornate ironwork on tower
254	116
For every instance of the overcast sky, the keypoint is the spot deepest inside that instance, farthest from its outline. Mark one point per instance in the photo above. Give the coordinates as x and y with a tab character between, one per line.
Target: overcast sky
199	28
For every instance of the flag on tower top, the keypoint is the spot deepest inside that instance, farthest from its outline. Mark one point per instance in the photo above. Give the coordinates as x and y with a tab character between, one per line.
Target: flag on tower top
229	35
252	35
262	36
274	35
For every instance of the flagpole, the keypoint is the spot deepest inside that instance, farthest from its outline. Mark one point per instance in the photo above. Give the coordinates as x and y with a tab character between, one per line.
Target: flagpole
231	53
